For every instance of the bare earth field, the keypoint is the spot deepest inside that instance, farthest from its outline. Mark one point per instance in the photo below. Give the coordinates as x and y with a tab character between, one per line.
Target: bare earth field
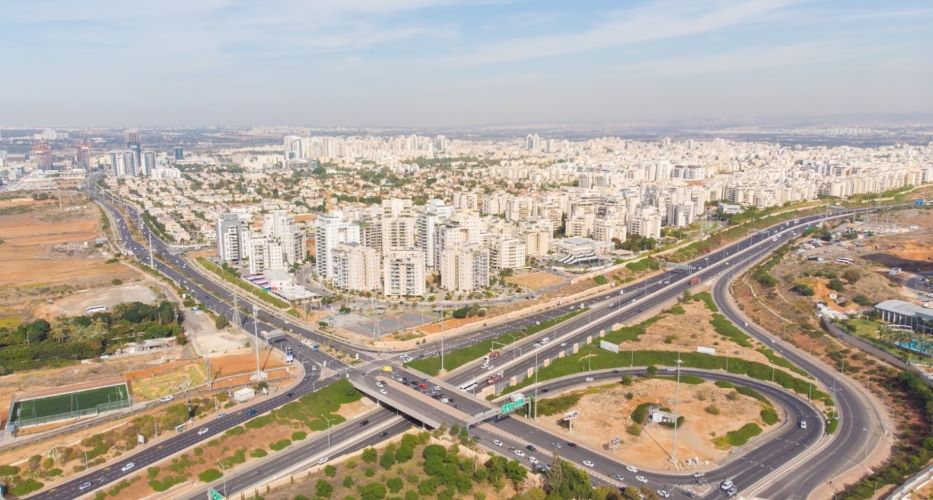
606	414
76	303
536	281
48	253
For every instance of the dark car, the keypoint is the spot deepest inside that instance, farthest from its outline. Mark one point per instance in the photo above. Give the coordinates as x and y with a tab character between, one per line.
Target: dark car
250	412
364	422
531	448
290	394
572	445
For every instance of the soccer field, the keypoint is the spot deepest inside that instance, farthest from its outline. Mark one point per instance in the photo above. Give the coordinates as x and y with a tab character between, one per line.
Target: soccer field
70	404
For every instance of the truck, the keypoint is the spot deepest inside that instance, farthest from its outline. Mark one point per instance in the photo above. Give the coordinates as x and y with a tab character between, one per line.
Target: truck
495	378
695	280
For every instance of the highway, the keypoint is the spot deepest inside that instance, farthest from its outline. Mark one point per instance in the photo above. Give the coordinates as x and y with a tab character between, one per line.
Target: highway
653	292
859	428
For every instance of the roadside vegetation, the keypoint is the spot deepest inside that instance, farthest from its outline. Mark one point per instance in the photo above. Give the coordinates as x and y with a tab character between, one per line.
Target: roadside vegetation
41	344
230	276
431	365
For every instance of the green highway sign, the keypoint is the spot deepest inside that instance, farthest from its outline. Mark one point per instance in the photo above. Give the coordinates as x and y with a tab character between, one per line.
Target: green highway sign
213	494
511	406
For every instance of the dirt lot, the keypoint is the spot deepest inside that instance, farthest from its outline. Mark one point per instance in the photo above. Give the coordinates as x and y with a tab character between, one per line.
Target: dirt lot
49	253
536	280
76	303
606	414
162	380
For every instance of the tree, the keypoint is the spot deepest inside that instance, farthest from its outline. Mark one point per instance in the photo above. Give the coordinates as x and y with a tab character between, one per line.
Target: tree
388	457
330	471
221	322
372	491
852	275
515	472
323	489
37	331
566	481
394	484
803	289
836	284
404	453
651	370
370	455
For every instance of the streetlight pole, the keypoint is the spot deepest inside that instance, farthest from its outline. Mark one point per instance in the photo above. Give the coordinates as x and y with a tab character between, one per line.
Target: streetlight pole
443	311
535	415
328	429
676	416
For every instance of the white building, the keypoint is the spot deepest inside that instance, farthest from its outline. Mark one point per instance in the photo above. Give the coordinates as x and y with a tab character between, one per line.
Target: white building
507	253
329	231
232	238
403	273
464	268
356	267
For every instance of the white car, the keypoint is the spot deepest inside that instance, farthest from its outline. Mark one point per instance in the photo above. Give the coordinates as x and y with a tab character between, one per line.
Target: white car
203	431
520	453
497	442
588	463
589	379
383	391
632	469
128	467
84	486
641	479
166	399
664	494
563	344
445	400
726	485
323	460
533	460
380	384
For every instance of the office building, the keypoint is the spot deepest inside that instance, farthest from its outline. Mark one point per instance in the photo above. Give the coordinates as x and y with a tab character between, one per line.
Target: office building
179	153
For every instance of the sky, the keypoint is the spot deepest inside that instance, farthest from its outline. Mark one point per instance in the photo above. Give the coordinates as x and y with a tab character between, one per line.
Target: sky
449	63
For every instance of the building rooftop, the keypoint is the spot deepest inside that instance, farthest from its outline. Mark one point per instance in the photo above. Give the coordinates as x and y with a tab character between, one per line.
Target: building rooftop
905	308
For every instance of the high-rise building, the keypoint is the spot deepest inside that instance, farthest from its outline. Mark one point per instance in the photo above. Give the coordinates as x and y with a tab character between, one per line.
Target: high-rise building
464	268
329	231
356	268
133	143
148	163
42	153
179	153
398	232
507	252
123	163
403	273
278	226
233	237
83	155
533	142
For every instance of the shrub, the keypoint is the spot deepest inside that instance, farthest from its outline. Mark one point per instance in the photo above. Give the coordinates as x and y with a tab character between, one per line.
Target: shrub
280	444
712	410
210	475
323	489
347	482
258	453
370	455
769	416
640	413
634	430
836	284
330	471
394	484
803	289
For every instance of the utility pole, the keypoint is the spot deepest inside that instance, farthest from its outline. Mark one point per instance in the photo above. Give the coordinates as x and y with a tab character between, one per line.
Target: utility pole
535	416
443	311
676	415
256	338
149	232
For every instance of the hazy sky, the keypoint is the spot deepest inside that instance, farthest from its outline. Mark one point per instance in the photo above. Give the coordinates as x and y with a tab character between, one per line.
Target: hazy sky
450	63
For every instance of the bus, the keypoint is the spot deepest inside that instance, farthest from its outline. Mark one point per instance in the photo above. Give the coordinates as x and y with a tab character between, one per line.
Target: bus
95	309
468	386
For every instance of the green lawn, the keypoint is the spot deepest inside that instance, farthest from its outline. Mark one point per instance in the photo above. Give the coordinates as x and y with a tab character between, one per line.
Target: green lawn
459	357
243	284
70	402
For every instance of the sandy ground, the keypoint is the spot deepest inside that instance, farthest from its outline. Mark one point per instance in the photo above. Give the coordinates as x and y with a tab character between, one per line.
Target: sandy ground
535	281
606	414
76	303
684	332
222	366
33	267
161	380
208	341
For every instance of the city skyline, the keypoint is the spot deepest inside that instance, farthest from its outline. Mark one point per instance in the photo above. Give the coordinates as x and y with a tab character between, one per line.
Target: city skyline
446	63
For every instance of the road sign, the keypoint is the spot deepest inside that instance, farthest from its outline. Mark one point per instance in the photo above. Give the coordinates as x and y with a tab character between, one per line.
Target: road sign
511	406
571	415
213	494
609	346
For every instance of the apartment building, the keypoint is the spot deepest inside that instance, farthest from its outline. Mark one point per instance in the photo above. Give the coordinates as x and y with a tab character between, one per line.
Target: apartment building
233	237
356	268
403	273
329	231
464	268
507	252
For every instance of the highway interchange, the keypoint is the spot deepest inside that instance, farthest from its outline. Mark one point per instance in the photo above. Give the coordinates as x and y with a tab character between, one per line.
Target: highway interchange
608	308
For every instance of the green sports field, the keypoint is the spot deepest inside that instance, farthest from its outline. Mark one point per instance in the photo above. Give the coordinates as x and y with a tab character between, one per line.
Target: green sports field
69	404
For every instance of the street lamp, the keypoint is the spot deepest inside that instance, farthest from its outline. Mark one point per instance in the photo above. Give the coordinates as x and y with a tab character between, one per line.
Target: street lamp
328	429
676	416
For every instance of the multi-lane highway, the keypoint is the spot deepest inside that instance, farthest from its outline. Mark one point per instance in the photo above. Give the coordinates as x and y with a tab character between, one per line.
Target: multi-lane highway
611	309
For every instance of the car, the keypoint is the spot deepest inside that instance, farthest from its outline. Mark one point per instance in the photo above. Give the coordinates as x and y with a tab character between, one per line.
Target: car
85	485
383	433
726	485
445	400
571	444
589	379
803	424
166	399
688	493
364	423
497	442
128	467
531	448
290	395
641	479
221	415
379	383
663	494
698	475
250	412
520	453
556	445
203	431
533	460
563	344
536	345
632	469
618	477
732	491
323	460
545	340
436	387
588	463
383	391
